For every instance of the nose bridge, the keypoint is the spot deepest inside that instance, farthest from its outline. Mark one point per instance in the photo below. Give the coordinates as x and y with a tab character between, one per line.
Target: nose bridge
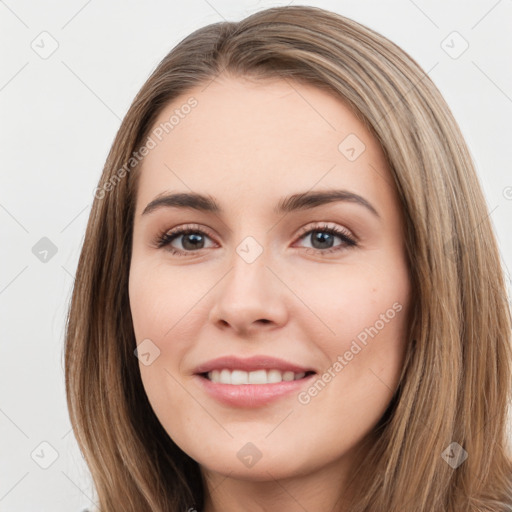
249	292
252	253
249	273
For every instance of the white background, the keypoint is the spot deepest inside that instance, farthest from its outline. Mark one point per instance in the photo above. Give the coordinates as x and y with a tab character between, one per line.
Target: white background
59	116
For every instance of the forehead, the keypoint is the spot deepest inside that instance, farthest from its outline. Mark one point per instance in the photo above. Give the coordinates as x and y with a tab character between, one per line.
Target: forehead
238	138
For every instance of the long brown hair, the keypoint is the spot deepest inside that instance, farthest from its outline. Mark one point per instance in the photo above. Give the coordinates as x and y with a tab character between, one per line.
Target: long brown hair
456	383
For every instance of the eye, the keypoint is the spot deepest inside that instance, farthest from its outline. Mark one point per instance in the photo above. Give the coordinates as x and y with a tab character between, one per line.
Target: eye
322	238
192	239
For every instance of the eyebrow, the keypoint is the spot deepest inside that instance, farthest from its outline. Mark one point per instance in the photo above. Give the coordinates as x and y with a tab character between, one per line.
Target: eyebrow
302	201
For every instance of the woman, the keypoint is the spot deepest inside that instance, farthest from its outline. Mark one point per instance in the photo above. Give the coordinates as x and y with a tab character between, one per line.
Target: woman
290	237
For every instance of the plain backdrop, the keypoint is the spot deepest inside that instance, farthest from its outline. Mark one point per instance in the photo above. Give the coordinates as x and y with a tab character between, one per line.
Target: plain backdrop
69	71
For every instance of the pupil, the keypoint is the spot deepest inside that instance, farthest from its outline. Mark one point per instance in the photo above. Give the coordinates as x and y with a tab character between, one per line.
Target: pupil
321	236
196	240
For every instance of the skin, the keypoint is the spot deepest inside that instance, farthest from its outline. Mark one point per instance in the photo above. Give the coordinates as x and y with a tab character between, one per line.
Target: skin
248	143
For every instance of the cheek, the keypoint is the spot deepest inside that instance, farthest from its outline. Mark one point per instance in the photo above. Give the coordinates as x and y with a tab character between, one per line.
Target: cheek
364	319
159	298
364	356
166	309
348	299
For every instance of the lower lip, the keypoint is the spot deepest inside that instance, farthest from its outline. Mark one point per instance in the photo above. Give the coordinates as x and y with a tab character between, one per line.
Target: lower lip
251	395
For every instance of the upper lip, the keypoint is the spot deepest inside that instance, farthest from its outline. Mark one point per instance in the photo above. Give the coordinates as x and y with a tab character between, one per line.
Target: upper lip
250	364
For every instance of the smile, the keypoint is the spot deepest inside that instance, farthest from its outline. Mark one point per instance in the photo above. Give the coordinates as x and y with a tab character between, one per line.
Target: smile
255	394
238	377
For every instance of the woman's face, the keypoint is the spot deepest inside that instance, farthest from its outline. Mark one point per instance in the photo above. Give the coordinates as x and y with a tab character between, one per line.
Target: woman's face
302	260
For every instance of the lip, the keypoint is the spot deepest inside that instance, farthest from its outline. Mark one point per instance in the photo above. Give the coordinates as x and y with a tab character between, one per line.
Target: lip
251	395
250	364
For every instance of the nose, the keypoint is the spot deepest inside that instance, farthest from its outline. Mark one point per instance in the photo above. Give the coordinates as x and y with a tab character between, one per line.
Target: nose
249	298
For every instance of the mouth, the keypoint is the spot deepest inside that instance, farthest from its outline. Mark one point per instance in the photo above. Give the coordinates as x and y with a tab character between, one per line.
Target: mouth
251	382
256	377
252	389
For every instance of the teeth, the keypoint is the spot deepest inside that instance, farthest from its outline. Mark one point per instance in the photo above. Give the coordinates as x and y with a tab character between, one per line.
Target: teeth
256	377
237	377
274	376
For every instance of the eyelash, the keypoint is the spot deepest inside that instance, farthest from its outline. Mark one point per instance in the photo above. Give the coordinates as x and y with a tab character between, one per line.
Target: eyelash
165	238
